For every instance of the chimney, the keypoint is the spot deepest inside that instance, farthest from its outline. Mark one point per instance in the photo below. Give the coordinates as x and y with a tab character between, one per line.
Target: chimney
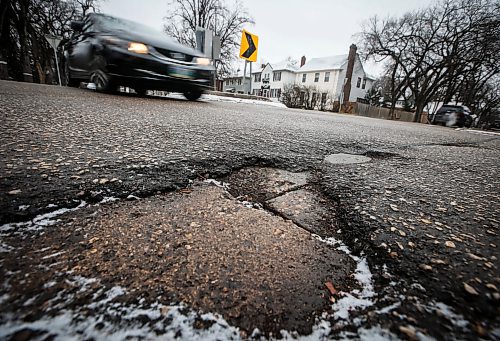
302	61
348	76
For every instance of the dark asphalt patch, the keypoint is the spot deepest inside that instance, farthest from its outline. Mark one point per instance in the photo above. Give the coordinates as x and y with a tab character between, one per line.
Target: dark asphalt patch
202	248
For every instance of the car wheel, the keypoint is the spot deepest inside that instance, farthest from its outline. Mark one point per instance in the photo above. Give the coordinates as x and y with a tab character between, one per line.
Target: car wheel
193	95
75	83
102	80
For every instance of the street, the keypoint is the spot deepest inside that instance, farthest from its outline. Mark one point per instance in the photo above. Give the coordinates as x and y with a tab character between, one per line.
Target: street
145	217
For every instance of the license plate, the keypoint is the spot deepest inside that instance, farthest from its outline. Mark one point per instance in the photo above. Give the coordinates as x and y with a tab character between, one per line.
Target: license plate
180	72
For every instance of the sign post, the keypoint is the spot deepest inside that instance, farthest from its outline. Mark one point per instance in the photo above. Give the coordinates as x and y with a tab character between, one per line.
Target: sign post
248	51
54	43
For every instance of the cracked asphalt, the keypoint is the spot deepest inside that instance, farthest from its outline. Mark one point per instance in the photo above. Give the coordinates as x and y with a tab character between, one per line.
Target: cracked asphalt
424	212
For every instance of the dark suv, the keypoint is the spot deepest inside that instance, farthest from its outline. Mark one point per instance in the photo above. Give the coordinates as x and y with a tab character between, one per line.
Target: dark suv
451	115
109	52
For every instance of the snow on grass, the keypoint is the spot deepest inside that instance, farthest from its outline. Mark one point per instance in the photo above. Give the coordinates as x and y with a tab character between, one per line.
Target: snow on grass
216	98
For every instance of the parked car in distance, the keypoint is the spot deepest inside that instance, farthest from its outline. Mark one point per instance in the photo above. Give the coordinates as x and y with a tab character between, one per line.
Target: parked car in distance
112	52
451	115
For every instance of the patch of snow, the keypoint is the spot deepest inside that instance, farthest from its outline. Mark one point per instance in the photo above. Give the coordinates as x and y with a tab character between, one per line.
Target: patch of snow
54	255
349	303
91	86
479	132
47	218
4	248
220	184
4	298
49	284
320	331
356	299
111	294
389	308
105	200
23	207
51	206
41	220
376	334
132	197
216	98
447	311
82	282
167	322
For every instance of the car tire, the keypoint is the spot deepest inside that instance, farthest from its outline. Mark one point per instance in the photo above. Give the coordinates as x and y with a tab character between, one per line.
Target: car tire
102	80
193	95
72	82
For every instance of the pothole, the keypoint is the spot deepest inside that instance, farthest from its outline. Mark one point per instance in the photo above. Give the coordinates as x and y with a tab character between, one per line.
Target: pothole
346	159
272	272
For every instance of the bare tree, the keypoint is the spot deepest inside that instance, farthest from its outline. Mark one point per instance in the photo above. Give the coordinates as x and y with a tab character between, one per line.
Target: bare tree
23	26
224	19
436	51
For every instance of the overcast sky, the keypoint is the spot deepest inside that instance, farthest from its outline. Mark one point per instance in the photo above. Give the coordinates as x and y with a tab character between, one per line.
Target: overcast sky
314	28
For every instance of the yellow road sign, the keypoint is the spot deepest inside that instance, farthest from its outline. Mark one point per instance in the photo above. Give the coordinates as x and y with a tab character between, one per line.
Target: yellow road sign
249	46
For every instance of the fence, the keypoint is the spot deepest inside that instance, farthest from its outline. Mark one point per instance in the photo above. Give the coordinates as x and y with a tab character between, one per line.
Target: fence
367	110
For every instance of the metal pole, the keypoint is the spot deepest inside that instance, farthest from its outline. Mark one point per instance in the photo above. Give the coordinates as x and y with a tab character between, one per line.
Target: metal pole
251	77
57	66
215	62
245	77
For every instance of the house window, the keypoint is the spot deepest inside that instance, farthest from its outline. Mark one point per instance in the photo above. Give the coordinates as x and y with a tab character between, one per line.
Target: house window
239	81
327	77
359	82
258	77
304	76
277	76
364	83
323	98
278	93
316	77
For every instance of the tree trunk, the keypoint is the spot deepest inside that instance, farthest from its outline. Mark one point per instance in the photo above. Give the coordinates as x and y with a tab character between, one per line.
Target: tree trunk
418	112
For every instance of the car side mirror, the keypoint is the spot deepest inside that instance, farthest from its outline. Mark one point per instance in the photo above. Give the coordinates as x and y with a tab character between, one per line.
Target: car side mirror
76	25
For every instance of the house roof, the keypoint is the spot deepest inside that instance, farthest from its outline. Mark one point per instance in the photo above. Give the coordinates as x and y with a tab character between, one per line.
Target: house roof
259	69
324	63
285	65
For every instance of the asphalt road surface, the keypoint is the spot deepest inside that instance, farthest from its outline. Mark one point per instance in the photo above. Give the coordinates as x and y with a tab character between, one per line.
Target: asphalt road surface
144	217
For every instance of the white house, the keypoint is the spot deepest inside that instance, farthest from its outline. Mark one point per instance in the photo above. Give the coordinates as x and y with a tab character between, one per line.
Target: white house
339	78
234	83
270	79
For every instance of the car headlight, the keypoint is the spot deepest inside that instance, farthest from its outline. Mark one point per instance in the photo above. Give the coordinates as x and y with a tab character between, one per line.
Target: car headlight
202	61
131	46
138	48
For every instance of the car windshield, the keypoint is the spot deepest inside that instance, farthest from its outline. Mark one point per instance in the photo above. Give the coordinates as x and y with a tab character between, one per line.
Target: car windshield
108	23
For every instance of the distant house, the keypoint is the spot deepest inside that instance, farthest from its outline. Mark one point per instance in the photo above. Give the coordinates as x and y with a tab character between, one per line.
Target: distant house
235	84
270	79
340	78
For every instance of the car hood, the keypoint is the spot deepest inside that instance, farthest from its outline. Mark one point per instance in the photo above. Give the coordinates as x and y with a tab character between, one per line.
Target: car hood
157	40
